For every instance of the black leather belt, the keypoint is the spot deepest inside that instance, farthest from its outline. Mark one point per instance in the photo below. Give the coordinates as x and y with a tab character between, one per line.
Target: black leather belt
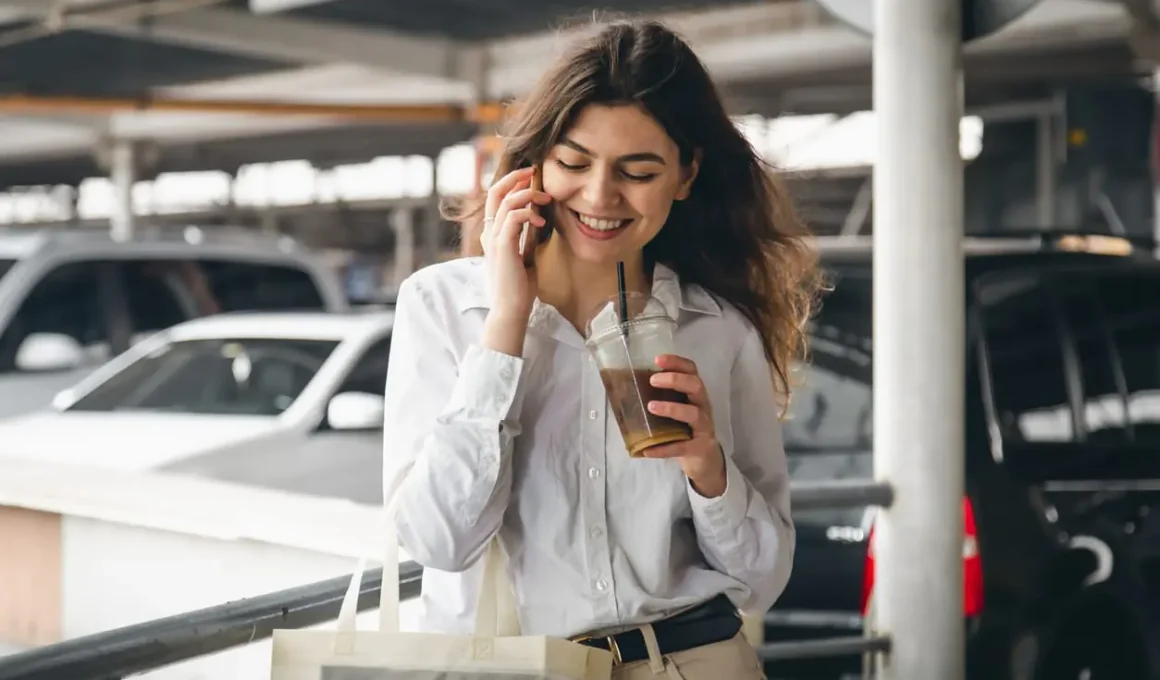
714	621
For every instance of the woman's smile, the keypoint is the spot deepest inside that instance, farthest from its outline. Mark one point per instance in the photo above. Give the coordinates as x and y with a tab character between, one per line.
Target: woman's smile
599	228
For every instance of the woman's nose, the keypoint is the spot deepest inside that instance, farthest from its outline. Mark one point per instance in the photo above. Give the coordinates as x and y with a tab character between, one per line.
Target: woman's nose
601	192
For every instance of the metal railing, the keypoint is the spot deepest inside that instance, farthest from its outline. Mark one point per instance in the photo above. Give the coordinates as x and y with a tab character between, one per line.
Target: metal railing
121	652
834	495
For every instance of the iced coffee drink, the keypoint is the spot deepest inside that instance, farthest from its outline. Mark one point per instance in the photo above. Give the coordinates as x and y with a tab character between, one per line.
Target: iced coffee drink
625	353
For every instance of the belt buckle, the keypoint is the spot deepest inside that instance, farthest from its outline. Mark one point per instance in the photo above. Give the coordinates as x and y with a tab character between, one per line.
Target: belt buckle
613	647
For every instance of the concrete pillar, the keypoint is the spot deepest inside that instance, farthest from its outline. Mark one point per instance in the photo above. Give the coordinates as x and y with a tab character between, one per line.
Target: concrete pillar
433	223
403	222
919	337
123	174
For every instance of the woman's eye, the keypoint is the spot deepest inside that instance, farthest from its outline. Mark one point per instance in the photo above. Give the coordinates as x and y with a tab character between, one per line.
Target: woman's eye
569	166
638	178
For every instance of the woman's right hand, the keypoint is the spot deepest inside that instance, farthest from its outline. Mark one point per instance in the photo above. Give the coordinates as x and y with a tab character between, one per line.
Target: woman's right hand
509	205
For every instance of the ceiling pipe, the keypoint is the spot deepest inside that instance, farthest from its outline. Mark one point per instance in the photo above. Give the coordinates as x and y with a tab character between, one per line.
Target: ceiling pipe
374	113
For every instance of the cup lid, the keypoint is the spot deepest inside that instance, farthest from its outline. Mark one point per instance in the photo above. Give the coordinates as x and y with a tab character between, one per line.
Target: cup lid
639	307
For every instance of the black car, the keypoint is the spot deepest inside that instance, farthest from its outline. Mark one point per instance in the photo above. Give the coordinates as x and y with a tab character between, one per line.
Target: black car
1062	554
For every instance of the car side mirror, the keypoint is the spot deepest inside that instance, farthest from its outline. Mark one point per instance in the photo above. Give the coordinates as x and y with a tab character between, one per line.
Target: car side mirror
42	352
355	411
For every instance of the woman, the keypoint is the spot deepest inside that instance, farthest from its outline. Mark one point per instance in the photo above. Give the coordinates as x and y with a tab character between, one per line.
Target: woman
496	418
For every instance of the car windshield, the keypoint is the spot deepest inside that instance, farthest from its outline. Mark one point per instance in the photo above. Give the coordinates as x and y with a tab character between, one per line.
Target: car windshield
832	404
828	431
234	376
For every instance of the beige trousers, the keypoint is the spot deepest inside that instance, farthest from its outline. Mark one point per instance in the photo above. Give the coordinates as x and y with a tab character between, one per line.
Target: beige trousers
733	659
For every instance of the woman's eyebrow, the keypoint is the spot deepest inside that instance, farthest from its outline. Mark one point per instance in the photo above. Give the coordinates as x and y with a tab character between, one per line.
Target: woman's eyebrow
627	158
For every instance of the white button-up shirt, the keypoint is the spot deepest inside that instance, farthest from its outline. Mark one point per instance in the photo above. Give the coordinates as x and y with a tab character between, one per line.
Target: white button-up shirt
479	442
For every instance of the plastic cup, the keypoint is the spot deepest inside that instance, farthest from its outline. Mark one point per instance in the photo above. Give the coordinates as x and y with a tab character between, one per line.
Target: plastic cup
625	354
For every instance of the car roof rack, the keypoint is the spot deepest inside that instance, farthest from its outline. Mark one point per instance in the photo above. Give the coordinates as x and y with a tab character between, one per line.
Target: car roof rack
1011	241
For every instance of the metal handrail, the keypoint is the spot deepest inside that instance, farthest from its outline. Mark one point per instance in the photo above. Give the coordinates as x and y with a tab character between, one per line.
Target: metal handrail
115	654
852	645
840	494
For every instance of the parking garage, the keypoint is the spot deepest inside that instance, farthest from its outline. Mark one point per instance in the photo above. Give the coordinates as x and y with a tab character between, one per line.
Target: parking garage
315	139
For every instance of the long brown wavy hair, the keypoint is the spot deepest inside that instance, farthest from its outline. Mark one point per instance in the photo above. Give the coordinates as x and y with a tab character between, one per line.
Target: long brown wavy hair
738	234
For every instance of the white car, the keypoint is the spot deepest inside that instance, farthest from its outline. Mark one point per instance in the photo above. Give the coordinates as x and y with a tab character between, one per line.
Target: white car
255	397
71	298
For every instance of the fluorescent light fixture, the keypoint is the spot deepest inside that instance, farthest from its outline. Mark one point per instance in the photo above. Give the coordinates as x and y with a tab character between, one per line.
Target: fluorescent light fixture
275	6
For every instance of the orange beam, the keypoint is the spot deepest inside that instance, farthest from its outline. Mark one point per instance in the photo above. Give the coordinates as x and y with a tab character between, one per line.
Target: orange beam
405	113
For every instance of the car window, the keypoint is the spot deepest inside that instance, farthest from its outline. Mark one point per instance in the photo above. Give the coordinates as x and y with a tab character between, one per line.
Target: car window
832	408
1113	331
1021	329
828	432
65	301
1088	332
1119	331
152	298
369	373
238	286
236	376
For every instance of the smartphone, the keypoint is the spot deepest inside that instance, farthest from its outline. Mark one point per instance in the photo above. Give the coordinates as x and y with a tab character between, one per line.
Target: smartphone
532	236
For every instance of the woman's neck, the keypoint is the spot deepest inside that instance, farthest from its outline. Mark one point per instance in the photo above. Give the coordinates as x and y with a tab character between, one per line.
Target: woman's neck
575	288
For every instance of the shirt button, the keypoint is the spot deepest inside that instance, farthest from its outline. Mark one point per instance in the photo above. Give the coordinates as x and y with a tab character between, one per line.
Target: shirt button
592	414
597	532
593	473
601	585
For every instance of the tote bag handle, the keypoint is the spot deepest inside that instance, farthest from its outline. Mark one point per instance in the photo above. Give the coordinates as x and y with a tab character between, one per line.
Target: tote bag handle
495	610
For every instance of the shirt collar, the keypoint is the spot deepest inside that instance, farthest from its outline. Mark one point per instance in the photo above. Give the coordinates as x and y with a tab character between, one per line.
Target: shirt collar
666	288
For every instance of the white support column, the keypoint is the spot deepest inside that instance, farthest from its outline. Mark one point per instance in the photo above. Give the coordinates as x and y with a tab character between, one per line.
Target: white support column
433	224
919	336
403	221
123	174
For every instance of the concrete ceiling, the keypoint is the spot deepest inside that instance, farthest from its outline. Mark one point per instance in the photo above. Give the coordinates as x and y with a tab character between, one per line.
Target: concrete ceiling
770	57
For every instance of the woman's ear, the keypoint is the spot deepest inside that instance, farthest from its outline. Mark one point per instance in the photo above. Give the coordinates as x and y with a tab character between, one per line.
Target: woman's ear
689	173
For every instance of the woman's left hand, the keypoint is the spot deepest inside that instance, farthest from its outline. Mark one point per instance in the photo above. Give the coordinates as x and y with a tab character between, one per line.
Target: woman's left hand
701	457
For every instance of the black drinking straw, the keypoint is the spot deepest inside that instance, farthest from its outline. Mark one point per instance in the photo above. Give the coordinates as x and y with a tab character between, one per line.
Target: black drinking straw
623	311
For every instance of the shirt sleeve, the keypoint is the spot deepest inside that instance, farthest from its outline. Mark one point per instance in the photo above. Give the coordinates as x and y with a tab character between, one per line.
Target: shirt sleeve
747	532
449	424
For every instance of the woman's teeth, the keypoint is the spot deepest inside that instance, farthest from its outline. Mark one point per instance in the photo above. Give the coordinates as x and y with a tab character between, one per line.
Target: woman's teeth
601	225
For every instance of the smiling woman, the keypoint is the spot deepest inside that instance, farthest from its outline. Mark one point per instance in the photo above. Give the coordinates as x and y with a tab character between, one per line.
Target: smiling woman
500	425
632	137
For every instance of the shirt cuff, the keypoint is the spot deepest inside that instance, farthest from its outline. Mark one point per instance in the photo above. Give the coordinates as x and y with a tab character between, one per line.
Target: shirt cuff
488	383
725	513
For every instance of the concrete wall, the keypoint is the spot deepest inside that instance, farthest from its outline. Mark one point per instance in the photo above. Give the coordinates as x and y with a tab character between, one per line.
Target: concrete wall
30	578
88	550
116	575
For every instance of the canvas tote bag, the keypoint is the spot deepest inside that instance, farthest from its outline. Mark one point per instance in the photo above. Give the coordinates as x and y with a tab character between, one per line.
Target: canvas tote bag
496	651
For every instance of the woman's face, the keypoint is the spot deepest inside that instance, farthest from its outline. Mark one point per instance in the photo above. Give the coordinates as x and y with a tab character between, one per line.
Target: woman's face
613	177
